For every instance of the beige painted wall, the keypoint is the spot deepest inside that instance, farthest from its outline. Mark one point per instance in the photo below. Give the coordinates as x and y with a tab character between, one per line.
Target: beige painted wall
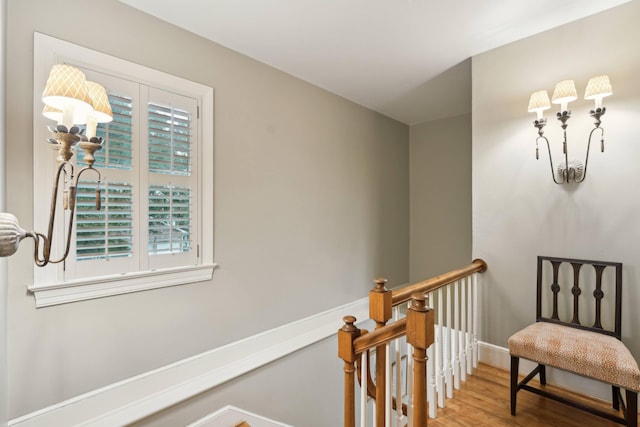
311	203
301	390
3	262
518	212
440	196
440	241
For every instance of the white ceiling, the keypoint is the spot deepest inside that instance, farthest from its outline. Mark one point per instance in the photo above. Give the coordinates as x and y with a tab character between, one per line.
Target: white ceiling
392	56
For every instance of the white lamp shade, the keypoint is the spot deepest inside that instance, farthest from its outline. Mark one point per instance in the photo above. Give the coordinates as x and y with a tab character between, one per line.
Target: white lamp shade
598	87
565	92
101	107
52	113
67	86
539	101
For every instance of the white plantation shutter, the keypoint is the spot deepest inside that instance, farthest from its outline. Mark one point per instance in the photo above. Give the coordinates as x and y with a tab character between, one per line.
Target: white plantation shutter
148	216
171	138
106	240
105	233
169	134
108	233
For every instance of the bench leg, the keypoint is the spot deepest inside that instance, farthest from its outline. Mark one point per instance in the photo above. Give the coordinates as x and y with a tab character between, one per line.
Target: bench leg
543	374
632	409
515	361
615	402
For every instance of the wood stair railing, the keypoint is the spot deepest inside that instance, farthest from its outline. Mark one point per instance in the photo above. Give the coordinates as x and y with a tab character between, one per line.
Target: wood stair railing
418	327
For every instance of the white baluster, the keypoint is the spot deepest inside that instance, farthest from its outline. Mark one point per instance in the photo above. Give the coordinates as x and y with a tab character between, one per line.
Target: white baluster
431	380
463	332
363	389
440	359
454	337
372	403
447	348
434	358
469	335
387	381
409	384
396	316
475	320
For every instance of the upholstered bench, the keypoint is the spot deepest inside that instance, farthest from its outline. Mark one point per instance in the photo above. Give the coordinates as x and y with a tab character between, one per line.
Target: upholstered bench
590	351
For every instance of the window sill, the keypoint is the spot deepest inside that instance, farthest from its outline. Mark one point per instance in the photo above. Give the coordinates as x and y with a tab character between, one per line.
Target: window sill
80	290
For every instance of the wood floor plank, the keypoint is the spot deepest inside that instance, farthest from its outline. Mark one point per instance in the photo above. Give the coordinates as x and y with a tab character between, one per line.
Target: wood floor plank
483	400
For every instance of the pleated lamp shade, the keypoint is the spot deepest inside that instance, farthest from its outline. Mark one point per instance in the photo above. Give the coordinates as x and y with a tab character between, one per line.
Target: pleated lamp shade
67	86
539	101
101	107
565	92
598	87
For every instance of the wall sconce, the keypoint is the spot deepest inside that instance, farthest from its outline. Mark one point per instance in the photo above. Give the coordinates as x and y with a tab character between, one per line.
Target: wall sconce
70	100
565	92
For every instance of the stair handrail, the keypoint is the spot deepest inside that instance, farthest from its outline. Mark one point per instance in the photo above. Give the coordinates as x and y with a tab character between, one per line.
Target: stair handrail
418	326
368	340
400	295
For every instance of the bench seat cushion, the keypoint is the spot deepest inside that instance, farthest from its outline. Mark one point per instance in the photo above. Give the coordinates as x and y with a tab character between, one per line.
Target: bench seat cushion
590	354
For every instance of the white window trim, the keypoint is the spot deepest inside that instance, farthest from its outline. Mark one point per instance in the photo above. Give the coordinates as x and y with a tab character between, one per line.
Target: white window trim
49	286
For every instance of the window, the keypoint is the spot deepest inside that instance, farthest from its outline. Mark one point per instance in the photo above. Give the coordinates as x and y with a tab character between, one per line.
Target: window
156	183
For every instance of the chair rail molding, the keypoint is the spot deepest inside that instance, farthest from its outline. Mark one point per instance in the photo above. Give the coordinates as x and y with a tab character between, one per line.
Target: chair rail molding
137	397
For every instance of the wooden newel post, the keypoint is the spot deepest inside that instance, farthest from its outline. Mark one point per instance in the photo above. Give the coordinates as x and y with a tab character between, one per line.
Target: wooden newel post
380	308
420	335
346	336
380	303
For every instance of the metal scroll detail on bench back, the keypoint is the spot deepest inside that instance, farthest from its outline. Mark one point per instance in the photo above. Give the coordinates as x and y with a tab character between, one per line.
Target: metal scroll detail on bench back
601	289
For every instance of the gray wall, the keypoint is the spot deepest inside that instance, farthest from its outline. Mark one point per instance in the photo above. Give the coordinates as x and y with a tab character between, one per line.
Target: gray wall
440	196
3	261
518	212
311	203
301	389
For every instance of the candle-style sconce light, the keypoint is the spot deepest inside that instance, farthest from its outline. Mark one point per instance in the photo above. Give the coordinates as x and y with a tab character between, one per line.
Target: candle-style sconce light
564	93
70	100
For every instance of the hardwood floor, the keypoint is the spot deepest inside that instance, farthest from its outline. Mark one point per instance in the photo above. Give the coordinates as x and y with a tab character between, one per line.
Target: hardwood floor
484	401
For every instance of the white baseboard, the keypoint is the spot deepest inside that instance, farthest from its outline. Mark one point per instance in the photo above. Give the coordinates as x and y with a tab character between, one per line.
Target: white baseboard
497	356
137	397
